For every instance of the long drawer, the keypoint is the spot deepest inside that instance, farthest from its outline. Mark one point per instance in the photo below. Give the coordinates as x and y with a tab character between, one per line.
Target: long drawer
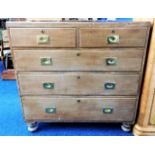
78	108
112	37
46	37
122	59
78	83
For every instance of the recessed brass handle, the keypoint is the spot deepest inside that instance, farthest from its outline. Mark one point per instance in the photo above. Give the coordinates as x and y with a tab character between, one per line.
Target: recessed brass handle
50	110
46	61
111	61
109	85
48	85
107	110
113	39
42	39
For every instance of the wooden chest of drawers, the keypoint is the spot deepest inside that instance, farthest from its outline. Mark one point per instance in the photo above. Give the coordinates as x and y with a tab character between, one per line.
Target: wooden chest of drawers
79	71
145	124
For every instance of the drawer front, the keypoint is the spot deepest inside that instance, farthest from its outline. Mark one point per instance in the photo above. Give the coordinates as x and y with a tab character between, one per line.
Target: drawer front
108	37
49	37
78	108
76	60
78	83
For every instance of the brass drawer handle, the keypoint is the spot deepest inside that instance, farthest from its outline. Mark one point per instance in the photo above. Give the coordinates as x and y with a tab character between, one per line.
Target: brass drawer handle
109	85
113	39
42	39
48	85
111	61
107	110
50	110
46	61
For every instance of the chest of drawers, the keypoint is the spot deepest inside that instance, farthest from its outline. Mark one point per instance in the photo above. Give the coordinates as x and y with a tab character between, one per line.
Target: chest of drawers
145	125
79	71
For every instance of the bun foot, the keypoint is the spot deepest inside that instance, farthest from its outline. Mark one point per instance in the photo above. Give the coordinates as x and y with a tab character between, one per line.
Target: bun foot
32	127
126	127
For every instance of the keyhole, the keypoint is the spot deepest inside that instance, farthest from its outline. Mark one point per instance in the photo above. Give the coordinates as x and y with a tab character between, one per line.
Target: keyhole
78	77
78	101
113	31
78	54
42	31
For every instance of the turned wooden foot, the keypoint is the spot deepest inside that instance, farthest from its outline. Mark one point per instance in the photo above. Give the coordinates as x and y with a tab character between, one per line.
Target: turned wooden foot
126	127
32	126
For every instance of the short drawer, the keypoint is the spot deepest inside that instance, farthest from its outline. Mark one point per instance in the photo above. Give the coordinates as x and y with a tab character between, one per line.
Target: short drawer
122	59
38	37
80	109
116	37
80	83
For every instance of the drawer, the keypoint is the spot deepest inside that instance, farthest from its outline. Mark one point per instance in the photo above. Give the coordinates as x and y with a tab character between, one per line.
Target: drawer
78	83
80	109
123	59
108	37
37	37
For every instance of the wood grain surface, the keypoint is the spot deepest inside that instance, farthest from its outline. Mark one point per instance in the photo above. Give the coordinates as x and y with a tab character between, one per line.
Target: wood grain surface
78	108
97	37
78	83
58	37
78	72
79	60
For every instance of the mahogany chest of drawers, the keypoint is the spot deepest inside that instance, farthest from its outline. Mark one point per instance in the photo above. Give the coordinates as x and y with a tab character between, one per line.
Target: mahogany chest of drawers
79	71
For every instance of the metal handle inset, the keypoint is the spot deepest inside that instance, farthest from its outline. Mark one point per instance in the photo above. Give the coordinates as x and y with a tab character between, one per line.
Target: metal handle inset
46	61
48	85
113	39
50	110
107	110
42	39
111	61
109	85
